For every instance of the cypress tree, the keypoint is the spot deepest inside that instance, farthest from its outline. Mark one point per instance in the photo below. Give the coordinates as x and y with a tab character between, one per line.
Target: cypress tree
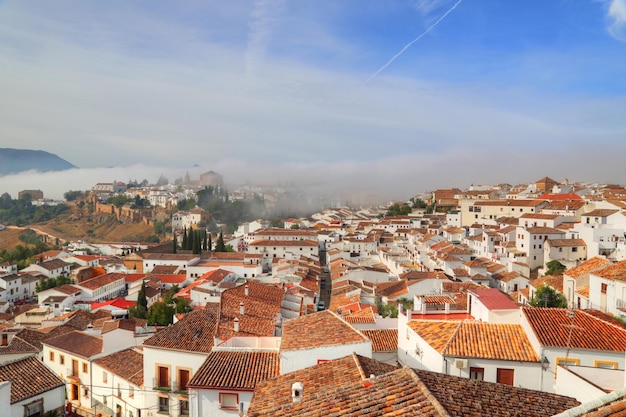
220	246
174	245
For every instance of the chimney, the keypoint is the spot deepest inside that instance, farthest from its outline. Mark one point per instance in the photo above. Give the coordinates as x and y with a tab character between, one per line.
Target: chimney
236	328
297	390
241	309
245	290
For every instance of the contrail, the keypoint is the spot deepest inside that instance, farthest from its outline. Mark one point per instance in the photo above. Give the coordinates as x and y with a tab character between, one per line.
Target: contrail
408	45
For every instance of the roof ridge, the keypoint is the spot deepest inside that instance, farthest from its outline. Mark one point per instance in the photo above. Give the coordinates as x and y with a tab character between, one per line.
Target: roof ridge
359	367
439	408
445	348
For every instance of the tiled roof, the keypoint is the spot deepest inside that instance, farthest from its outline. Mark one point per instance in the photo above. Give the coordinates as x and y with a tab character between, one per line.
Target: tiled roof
365	315
277	243
464	397
494	299
555	281
434	332
592	330
391	289
53	264
124	324
590	265
29	377
262	308
600	213
77	343
127	364
614	272
193	333
438	299
325	378
236	369
324	328
556	243
507	342
19	346
383	340
100	281
476	340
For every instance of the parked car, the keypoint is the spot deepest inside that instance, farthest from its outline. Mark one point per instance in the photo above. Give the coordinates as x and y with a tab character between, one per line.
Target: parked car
321	306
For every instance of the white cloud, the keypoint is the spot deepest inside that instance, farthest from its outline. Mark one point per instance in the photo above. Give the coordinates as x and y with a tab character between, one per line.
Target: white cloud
616	13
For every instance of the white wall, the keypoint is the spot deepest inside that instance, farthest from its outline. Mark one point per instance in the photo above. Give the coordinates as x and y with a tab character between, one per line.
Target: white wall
5	399
571	385
207	402
52	399
173	359
292	360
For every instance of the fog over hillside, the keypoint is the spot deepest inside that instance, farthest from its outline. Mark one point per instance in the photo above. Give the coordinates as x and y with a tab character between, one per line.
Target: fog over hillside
396	178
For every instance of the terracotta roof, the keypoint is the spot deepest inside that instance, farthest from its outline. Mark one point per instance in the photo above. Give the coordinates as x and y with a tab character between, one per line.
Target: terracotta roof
554	281
100	281
383	340
590	265
262	308
435	332
365	315
438	299
507	342
324	328
127	364
391	289
236	369
125	324
477	340
53	264
77	343
464	397
193	333
600	213
29	377
583	291
556	243
494	299
325	378
613	272
593	330
18	345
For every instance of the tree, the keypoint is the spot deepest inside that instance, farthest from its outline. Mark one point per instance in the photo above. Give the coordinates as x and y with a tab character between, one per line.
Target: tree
546	296
141	309
220	246
555	268
161	314
174	245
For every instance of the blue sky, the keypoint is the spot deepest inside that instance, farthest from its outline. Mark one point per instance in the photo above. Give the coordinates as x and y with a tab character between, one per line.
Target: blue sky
269	90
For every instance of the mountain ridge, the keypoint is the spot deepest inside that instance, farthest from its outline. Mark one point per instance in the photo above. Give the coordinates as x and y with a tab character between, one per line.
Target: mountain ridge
14	161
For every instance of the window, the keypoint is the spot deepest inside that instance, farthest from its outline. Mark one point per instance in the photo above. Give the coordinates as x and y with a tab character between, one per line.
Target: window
51	356
105	377
183	407
34	409
163	375
574	249
62	359
183	379
85	368
229	401
5	339
605	364
164	405
477	373
603	288
505	376
131	391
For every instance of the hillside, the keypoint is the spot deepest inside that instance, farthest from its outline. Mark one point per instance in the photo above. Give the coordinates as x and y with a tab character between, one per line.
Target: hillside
78	224
13	161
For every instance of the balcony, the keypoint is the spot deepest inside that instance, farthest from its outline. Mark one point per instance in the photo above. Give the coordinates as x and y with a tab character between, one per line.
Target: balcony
161	385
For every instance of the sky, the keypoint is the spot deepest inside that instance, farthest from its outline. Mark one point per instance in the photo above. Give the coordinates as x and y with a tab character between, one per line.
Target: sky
393	96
